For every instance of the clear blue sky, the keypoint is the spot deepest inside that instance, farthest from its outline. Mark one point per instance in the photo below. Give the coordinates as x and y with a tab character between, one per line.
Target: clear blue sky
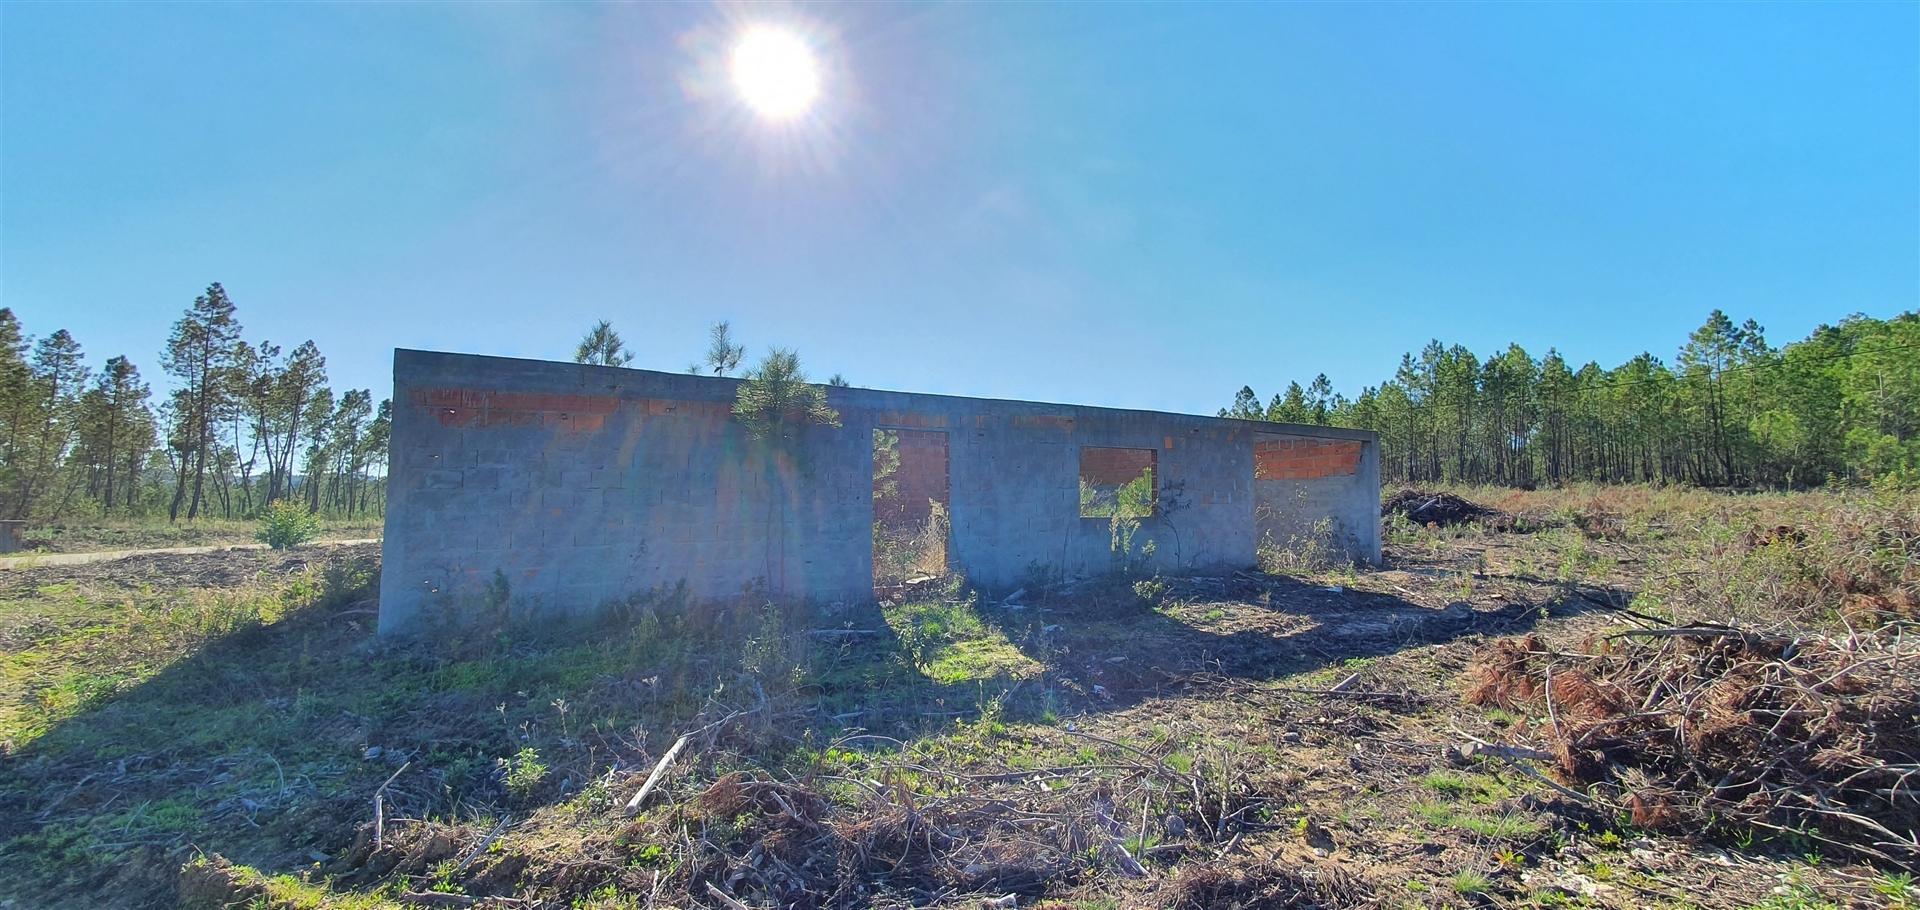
1131	205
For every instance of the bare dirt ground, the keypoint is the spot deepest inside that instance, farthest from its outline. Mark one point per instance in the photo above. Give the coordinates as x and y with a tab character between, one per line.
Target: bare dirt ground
214	731
78	536
225	567
40	560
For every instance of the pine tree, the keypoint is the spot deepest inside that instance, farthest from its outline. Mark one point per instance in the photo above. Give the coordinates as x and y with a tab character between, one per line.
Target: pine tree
55	379
1246	406
14	396
114	429
201	355
1291	407
1844	402
602	346
723	355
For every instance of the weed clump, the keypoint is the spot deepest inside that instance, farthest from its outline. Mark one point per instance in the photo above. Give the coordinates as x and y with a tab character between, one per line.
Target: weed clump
523	773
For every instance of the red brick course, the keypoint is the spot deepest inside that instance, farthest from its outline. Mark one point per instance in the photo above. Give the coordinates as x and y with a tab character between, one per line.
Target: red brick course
1105	467
484	408
1304	459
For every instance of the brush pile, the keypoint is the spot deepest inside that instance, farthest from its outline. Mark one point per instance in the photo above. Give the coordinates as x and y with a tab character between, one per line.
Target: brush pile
903	830
1442	509
1716	727
1221	887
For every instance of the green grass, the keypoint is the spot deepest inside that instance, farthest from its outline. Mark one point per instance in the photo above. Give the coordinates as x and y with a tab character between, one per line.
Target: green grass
86	648
1499	827
1898	888
266	695
1795	897
1466	804
978	659
269	695
1468	882
89	677
1480	789
950	642
281	892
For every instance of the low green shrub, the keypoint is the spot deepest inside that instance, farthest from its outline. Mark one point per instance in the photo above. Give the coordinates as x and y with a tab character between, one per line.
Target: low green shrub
287	524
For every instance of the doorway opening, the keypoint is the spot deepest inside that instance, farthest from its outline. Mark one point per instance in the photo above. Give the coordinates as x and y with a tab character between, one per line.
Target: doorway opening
912	526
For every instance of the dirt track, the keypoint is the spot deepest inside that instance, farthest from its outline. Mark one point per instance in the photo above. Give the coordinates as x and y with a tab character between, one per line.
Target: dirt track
172	568
37	560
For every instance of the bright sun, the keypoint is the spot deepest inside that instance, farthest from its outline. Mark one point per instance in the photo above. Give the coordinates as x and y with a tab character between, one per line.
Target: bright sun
775	73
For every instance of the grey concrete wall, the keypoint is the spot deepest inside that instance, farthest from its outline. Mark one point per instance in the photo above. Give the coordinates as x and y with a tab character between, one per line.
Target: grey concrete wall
575	485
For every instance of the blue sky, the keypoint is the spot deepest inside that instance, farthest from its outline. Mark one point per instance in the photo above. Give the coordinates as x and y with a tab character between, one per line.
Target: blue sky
1129	205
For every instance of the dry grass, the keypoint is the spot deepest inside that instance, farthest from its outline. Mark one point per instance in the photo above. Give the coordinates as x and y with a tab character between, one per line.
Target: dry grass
1244	740
1712	727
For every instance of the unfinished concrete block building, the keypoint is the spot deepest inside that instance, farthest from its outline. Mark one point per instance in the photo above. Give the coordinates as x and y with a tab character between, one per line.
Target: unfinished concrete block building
542	487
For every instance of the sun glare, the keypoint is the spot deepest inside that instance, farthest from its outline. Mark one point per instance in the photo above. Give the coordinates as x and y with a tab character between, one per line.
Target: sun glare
775	73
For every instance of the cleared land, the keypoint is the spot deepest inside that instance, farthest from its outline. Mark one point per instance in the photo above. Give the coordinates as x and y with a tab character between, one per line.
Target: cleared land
98	536
1299	738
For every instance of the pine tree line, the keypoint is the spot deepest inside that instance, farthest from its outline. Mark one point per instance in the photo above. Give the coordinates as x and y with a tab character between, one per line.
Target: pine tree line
1843	403
243	425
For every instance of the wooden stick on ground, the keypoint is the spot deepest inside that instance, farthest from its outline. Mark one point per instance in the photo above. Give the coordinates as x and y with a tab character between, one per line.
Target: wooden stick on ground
485	842
380	809
660	769
723	897
1517	757
1121	857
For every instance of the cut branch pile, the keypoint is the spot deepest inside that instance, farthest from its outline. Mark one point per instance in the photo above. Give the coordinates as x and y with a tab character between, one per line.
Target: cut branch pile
1423	508
1278	886
910	829
1710	726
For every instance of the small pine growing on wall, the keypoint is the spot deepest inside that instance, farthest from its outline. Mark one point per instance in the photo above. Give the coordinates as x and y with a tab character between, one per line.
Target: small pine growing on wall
603	346
776	404
776	400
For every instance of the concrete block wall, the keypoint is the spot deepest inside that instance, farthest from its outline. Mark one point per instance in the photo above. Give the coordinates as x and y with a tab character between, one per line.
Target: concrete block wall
1300	480
577	485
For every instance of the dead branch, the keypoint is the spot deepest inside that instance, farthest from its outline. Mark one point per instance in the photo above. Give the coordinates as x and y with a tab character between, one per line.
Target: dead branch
1678	726
482	846
724	898
380	809
660	769
437	899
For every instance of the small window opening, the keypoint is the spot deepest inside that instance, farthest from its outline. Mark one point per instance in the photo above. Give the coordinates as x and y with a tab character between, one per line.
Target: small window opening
1117	483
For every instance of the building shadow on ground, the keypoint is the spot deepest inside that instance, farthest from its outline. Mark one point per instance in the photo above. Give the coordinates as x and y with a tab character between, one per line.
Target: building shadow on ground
1113	648
267	743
